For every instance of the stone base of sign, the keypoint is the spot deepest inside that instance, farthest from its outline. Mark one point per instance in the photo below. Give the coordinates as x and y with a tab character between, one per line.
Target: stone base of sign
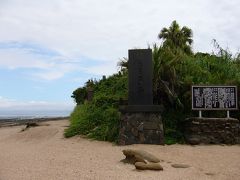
141	128
212	131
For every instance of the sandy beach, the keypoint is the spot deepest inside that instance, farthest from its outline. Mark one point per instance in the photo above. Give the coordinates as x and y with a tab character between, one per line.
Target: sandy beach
42	153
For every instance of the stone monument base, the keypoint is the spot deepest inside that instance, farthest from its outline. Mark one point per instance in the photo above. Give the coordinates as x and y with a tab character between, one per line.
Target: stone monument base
212	130
140	127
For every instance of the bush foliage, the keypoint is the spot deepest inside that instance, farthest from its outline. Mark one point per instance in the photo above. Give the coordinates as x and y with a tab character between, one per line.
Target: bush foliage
99	118
174	71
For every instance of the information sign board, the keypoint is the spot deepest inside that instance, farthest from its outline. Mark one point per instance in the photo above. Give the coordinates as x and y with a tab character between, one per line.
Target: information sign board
214	98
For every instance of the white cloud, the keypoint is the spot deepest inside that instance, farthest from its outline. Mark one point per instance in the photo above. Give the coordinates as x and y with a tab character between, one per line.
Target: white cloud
104	69
106	29
16	58
16	105
52	75
49	65
49	68
58	71
58	37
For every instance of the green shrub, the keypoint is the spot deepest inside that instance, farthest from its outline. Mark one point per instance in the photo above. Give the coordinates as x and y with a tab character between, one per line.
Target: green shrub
79	95
80	120
107	130
95	122
99	118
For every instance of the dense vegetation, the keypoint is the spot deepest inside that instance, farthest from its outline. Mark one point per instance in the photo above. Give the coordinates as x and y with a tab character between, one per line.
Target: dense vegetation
176	68
99	118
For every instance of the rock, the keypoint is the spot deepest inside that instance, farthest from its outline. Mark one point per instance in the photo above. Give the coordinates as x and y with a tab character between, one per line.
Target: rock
139	159
148	166
133	159
141	154
194	141
29	125
180	166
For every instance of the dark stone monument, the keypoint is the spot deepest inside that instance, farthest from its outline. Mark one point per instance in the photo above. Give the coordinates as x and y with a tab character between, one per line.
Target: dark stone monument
140	120
140	77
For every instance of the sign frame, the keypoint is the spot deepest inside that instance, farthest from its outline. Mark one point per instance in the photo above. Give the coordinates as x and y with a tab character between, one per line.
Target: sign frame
215	86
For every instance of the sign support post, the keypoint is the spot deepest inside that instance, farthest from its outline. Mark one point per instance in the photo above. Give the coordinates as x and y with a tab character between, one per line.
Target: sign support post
228	114
200	114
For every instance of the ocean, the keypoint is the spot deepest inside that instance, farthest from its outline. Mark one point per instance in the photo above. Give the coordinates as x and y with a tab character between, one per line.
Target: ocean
22	115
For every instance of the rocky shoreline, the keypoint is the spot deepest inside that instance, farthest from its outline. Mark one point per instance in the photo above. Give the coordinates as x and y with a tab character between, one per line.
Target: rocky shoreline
18	121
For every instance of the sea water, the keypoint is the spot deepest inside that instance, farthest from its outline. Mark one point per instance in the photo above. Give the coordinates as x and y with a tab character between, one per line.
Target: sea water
20	115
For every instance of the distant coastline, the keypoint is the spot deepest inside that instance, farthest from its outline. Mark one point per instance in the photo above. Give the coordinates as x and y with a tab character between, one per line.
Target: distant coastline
17	117
16	121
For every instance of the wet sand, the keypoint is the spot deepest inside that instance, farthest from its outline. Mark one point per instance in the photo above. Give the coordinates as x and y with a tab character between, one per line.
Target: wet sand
41	153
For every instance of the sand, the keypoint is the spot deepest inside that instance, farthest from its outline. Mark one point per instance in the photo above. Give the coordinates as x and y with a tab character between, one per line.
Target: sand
42	153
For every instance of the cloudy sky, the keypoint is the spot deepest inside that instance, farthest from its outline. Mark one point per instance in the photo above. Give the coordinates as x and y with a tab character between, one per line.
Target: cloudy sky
48	48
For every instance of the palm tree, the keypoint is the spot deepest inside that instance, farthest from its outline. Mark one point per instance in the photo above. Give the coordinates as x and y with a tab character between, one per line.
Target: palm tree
175	37
165	79
123	64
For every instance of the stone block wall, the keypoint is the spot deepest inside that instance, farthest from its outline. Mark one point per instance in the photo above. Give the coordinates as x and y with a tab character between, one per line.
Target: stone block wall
212	131
141	128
